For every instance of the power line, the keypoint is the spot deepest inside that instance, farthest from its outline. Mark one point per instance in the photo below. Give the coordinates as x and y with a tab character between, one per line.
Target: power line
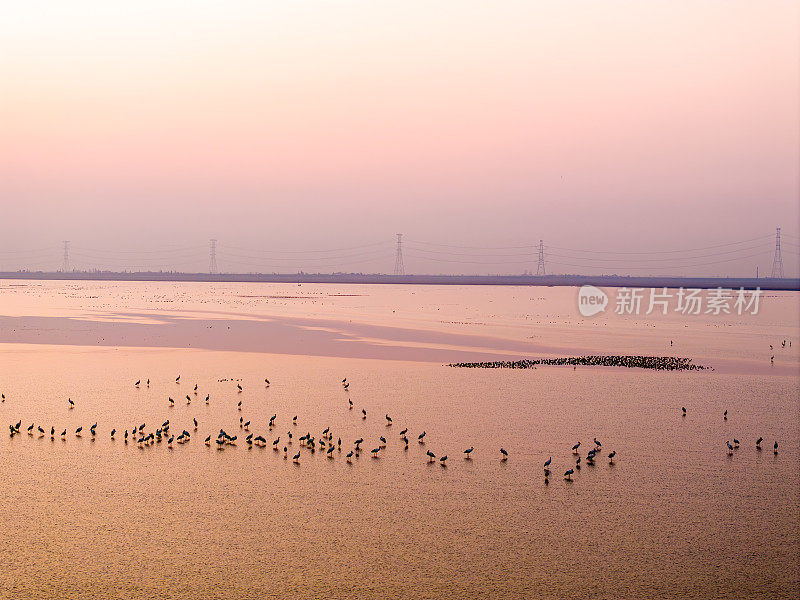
48	250
670	267
524	262
534	247
166	249
582	258
711	255
299	258
343	258
276	268
259	251
666	251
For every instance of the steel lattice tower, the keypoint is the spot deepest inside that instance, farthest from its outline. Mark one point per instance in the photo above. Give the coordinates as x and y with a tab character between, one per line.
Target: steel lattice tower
399	269
777	262
540	270
213	266
65	265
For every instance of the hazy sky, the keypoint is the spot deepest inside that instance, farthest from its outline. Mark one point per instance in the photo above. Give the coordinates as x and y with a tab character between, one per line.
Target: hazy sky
139	130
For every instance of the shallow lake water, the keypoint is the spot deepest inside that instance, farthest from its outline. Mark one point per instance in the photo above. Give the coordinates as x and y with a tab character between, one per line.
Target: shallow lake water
674	516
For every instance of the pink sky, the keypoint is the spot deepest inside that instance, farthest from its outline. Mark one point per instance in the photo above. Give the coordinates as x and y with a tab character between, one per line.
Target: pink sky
610	126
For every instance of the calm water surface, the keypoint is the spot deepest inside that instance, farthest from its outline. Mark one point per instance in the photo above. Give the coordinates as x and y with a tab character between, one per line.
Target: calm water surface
673	517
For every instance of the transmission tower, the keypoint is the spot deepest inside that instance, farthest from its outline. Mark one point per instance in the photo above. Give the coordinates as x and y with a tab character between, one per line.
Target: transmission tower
777	262
398	261
213	266
540	270
65	266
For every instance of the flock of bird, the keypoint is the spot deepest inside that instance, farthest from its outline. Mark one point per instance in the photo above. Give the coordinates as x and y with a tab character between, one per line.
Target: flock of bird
658	363
325	442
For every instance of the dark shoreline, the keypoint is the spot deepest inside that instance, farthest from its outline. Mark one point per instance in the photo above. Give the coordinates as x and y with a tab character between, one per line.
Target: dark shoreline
366	278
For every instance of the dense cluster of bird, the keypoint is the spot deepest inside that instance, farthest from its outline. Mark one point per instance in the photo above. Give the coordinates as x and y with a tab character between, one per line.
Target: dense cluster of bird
659	363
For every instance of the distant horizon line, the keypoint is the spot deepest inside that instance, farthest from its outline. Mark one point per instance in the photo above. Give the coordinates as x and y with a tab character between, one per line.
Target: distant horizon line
616	280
